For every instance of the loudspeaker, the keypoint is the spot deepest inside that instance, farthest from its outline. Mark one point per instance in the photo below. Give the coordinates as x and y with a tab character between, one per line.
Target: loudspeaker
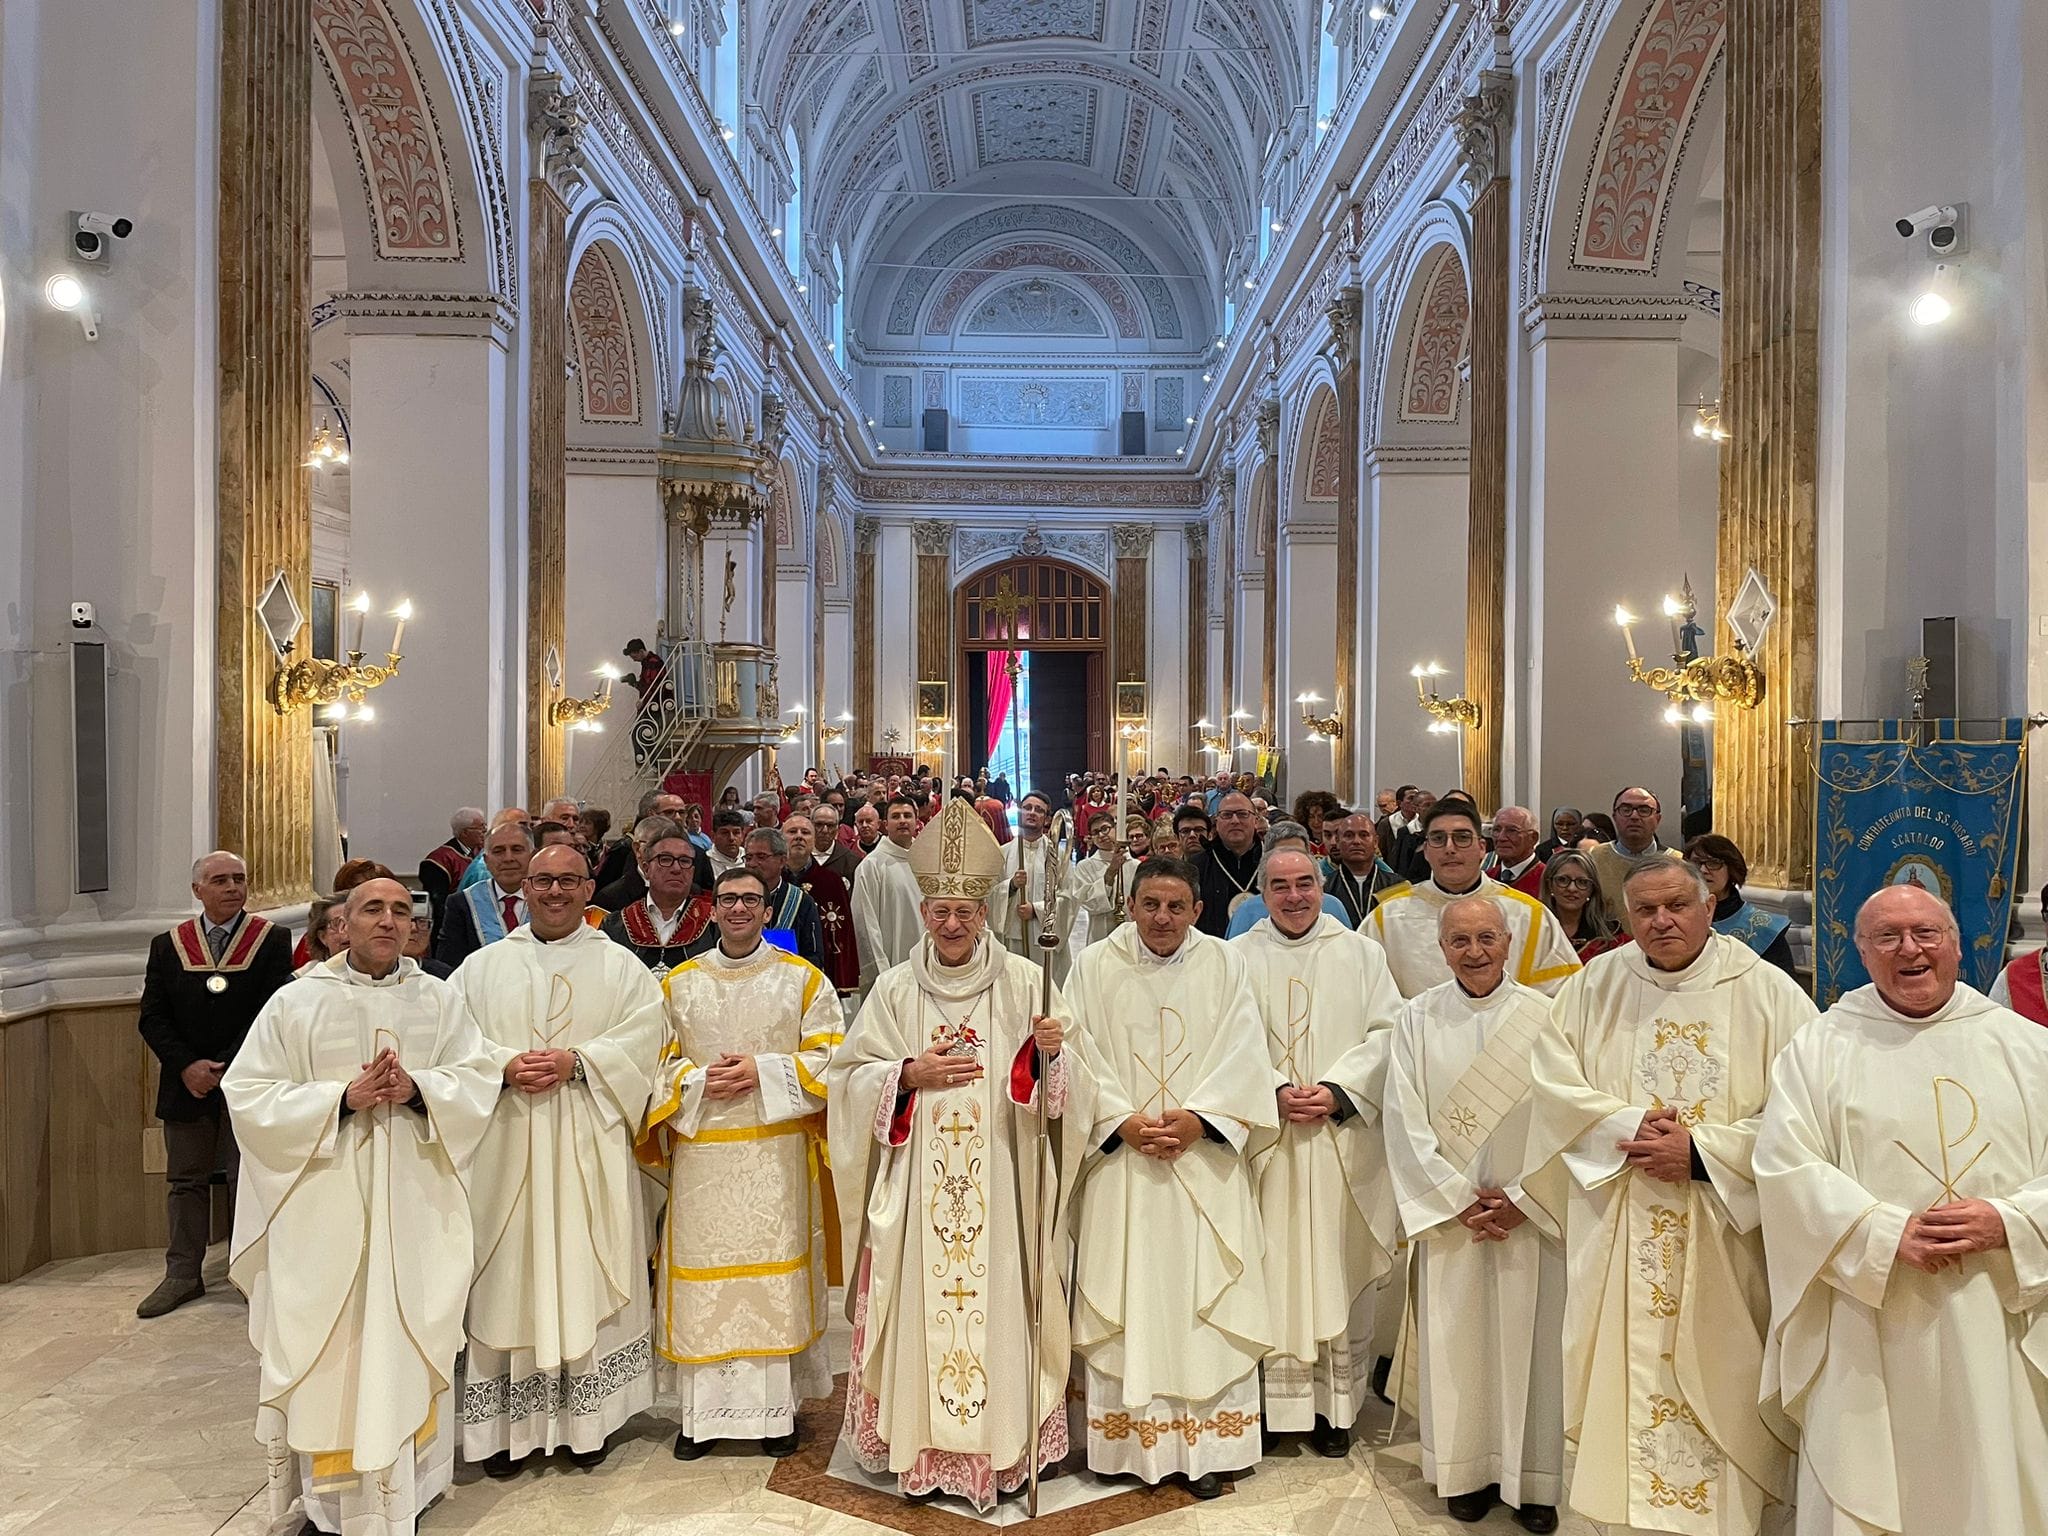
936	428
1133	444
90	799
1938	645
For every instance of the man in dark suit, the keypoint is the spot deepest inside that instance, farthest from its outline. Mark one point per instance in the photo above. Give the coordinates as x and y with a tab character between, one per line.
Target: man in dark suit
487	911
441	871
631	884
207	980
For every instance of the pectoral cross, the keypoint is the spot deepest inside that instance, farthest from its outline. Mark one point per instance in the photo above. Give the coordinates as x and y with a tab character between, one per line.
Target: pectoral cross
1946	1179
960	1295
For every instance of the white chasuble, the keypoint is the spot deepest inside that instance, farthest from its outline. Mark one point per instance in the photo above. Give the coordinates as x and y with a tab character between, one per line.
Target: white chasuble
1668	1299
352	1239
1171	1312
740	1298
1405	920
886	924
1046	888
937	1193
1327	1002
1488	1316
1921	1398
557	1328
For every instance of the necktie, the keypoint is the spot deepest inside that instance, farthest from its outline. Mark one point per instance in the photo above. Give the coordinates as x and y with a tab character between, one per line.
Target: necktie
217	940
511	913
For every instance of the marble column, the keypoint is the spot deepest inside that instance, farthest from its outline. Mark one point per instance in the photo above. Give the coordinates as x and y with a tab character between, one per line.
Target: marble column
1131	544
1269	608
1197	607
933	540
555	126
263	760
1770	402
1482	133
867	534
898	651
1229	532
1345	314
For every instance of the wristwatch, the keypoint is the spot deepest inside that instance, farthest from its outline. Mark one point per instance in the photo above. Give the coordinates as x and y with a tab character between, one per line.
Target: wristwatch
576	1073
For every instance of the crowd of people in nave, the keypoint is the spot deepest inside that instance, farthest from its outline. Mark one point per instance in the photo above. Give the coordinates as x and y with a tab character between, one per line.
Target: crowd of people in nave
1539	1138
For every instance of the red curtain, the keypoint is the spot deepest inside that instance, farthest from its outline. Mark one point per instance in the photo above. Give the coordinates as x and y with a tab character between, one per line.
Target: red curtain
999	700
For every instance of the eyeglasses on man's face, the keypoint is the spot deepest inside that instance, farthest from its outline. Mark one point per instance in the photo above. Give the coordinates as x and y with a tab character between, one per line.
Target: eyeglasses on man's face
669	861
554	882
740	899
1888	941
1464	837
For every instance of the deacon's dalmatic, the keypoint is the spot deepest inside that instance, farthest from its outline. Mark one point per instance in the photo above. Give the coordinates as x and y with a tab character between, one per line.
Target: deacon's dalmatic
558	1350
1902	1170
1327	1001
1170	1309
1651	1079
740	1294
352	1229
949	1076
1487	1298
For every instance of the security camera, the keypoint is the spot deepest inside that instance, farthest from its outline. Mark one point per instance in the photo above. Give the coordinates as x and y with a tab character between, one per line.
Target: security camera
82	616
1941	224
91	231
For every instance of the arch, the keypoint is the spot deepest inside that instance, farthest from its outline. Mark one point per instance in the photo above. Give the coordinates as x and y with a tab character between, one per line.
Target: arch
1069	606
1089	306
829	550
1318	451
644	288
1629	99
1419	378
601	341
418	168
787	524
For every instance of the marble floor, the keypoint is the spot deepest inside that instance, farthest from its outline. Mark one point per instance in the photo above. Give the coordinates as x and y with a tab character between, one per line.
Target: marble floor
110	1424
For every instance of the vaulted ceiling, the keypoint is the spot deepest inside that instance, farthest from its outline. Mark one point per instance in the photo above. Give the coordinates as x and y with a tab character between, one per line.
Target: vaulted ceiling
1126	135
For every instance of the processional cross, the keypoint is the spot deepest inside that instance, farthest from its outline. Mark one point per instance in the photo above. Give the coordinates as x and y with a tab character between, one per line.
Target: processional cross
1007	606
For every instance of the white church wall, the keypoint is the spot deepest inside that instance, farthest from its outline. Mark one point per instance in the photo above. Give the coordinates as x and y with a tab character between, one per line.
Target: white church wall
1415	614
612	565
1166	648
1307	638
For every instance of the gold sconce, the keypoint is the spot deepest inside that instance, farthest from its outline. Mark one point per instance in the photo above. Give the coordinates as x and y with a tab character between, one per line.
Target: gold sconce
1257	740
1703	681
1321	727
1446	715
931	736
309	681
1216	743
791	729
832	735
579	714
1706	422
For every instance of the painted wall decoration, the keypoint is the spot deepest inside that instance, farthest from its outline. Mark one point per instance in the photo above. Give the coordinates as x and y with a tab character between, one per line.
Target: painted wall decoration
1431	391
895	399
397	142
1169	403
962	285
602	334
1036	120
1034	306
1013	21
1324	453
1033	402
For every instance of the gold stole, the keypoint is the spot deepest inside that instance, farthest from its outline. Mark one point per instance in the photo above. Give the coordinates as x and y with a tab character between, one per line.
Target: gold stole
1495	1082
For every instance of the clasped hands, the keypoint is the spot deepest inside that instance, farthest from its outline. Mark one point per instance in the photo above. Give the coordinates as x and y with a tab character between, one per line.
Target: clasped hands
731	1077
538	1071
1164	1138
1491	1217
1662	1147
1935	1239
202	1077
383	1081
1306	1106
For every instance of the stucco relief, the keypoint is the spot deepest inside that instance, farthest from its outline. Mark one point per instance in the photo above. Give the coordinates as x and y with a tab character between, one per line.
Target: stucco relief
1034	253
895	399
601	330
1034	306
1034	121
1430	392
1672	60
1034	402
1169	403
980	546
397	142
1130	160
1325	454
1013	21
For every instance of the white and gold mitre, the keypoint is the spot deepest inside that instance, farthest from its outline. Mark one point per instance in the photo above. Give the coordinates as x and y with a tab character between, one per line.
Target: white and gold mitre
956	856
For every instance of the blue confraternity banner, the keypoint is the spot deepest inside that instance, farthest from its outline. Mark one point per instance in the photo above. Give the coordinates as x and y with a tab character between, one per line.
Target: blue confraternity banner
1920	805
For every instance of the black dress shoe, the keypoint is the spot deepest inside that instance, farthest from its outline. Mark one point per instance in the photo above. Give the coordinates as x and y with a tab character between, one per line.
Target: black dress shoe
1382	1368
171	1293
589	1459
1208	1486
1328	1440
1471	1507
688	1449
501	1465
780	1446
1538	1518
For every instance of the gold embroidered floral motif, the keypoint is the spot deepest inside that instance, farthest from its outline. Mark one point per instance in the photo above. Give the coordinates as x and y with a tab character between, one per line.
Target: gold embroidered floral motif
1227	1425
1681	1462
1679	1071
1659	1256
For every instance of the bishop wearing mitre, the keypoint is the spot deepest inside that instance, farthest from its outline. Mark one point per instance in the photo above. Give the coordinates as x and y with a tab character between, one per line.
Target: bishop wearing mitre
1034	888
1650	1083
1902	1169
1488	1297
1170	1307
739	1312
1327	1002
957	1115
358	1100
558	1350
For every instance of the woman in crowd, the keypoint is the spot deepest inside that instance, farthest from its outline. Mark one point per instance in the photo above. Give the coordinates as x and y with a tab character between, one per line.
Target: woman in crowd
326	934
1596	827
1564	832
1724	868
1572	892
1312	808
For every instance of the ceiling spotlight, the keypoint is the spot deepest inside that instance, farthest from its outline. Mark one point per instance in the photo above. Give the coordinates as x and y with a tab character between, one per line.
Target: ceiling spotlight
1937	302
1208	378
675	28
871	421
64	291
1250	283
1219	343
1277	227
725	133
803	288
776	232
1379	10
1178	452
1191	421
1322	125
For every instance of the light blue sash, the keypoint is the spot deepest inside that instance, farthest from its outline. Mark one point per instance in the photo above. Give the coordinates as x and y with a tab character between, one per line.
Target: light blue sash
1754	926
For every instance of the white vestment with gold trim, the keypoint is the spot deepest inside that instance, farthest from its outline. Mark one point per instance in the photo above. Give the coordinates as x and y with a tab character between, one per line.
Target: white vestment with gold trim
1405	921
557	1322
1668	1300
740	1297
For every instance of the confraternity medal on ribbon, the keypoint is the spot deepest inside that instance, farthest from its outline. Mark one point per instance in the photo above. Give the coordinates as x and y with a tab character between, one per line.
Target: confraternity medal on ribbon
216	983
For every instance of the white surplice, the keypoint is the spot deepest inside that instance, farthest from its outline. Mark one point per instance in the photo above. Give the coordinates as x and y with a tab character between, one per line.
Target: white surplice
1327	1001
1100	898
352	1240
1668	1299
886	924
1405	921
1047	889
558	1352
1488	1316
1921	1398
936	1192
740	1308
1170	1310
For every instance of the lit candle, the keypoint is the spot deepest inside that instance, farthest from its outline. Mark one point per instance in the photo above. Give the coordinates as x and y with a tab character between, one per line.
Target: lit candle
362	608
402	613
1672	611
1418	671
1626	621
